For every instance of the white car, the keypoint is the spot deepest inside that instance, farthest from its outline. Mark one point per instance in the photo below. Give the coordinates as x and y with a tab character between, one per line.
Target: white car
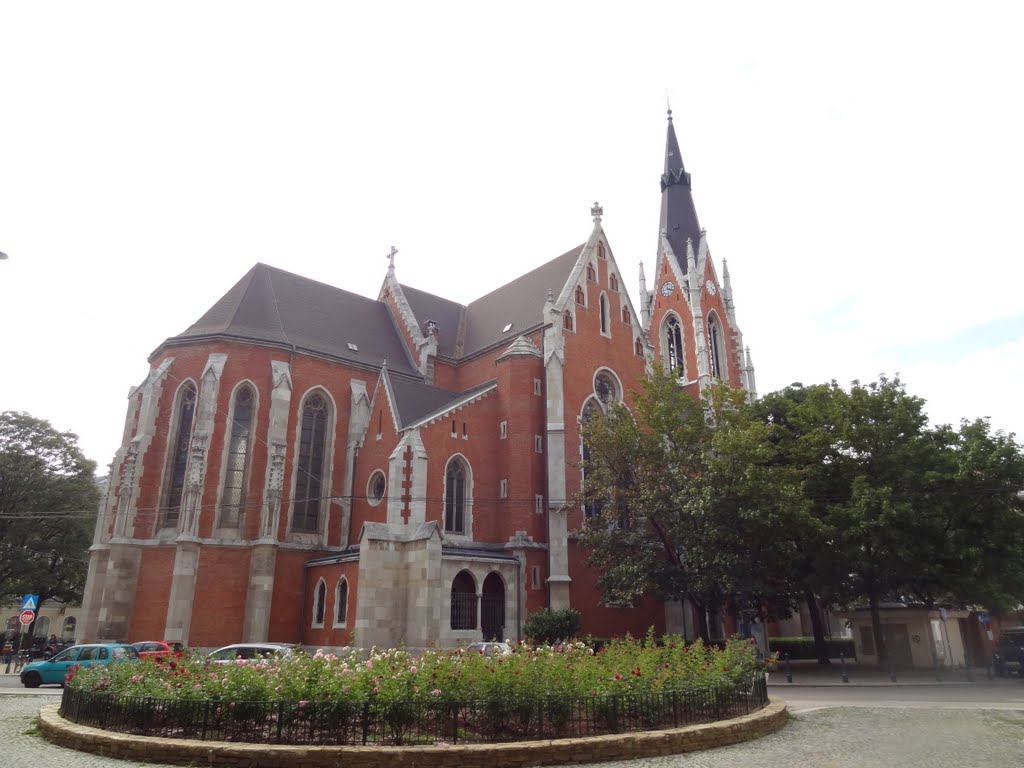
489	648
248	651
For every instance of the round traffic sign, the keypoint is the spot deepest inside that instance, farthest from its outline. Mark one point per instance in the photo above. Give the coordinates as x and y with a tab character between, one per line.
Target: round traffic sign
27	617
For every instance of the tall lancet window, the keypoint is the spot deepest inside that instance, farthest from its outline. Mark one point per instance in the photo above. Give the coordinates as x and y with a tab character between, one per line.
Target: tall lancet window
182	433
232	505
674	347
312	453
715	346
455	497
604	313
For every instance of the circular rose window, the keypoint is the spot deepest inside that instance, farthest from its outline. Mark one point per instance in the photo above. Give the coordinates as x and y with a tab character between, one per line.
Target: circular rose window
376	487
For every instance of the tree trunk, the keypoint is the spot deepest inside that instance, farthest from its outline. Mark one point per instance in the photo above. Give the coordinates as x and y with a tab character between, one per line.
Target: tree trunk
701	614
876	629
816	627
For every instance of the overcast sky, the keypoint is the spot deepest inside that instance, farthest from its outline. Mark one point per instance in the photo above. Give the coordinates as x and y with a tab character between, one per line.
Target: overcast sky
860	167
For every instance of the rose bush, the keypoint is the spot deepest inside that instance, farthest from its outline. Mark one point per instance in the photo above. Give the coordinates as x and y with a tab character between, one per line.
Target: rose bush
624	666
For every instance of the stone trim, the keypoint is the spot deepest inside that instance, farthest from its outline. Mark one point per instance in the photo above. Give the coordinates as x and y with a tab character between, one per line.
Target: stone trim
626	746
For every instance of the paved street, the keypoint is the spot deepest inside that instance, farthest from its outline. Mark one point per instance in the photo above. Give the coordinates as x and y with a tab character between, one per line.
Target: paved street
868	725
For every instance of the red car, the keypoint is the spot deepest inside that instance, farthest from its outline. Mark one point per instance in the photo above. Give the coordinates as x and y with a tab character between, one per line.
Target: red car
157	648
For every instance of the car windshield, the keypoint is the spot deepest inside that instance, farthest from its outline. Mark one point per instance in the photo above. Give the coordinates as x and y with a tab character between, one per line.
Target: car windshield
67	655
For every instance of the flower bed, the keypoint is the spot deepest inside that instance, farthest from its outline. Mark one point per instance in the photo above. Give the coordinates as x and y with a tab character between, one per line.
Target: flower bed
394	697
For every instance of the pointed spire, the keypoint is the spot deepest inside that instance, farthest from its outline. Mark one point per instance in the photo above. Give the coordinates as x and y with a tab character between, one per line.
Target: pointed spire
645	299
750	383
678	213
727	292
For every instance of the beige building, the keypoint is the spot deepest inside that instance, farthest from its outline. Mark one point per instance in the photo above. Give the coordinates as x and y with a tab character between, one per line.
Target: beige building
916	637
53	618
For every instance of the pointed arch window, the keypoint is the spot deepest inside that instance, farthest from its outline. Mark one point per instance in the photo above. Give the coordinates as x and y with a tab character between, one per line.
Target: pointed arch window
319	603
600	250
567	320
625	315
591	273
455	487
311	465
236	473
341	603
581	296
638	348
613	281
604	314
179	454
715	346
674	347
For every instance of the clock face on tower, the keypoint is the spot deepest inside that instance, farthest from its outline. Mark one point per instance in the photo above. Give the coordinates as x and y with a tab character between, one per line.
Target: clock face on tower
667	288
711	287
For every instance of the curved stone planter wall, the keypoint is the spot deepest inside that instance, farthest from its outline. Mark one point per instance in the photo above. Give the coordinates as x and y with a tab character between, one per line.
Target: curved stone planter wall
509	755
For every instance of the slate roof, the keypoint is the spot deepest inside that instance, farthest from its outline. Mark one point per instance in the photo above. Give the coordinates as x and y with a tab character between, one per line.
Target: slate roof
271	305
447	314
415	400
520	303
678	213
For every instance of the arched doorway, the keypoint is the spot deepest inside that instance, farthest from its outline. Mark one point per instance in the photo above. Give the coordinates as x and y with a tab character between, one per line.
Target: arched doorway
463	615
492	608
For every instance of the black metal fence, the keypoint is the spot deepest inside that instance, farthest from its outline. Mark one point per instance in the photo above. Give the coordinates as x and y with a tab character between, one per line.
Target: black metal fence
410	722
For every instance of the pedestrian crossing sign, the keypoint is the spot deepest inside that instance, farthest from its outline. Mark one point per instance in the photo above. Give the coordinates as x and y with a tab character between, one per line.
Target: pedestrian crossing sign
30	603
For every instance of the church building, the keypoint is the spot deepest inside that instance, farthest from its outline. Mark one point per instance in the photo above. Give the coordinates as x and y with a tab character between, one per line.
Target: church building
308	465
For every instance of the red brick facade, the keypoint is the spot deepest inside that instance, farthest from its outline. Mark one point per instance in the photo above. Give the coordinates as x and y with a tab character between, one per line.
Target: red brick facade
440	468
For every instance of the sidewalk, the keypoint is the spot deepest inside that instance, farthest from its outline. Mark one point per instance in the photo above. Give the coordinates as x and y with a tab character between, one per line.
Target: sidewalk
807	672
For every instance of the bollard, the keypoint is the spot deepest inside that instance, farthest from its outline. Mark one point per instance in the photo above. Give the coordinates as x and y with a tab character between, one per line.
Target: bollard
789	670
842	668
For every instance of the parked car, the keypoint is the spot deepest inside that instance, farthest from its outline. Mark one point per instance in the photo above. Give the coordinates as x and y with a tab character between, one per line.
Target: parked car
245	651
489	648
157	648
54	670
1009	655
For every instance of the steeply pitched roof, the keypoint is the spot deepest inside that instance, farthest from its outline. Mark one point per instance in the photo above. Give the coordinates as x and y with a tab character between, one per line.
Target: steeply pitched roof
678	213
414	400
447	314
517	305
270	305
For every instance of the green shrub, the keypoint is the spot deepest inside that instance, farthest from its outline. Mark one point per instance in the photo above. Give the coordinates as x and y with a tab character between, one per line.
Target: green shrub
548	625
526	678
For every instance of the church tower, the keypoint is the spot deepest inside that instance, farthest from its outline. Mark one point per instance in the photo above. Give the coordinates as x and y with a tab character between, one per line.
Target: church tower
689	313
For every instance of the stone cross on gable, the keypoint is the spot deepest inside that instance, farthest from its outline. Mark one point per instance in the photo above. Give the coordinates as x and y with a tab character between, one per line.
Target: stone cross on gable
391	257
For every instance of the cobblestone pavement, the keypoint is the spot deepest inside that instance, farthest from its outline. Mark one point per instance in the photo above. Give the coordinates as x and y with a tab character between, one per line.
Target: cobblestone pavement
824	738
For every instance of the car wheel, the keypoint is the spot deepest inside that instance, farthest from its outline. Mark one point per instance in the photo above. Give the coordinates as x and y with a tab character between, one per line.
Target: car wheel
32	680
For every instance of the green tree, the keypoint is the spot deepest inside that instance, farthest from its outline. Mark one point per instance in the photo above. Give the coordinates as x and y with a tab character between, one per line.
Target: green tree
898	509
549	625
48	501
687	501
980	517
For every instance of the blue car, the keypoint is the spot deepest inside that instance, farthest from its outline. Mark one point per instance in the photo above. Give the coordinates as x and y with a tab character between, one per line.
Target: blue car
54	670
